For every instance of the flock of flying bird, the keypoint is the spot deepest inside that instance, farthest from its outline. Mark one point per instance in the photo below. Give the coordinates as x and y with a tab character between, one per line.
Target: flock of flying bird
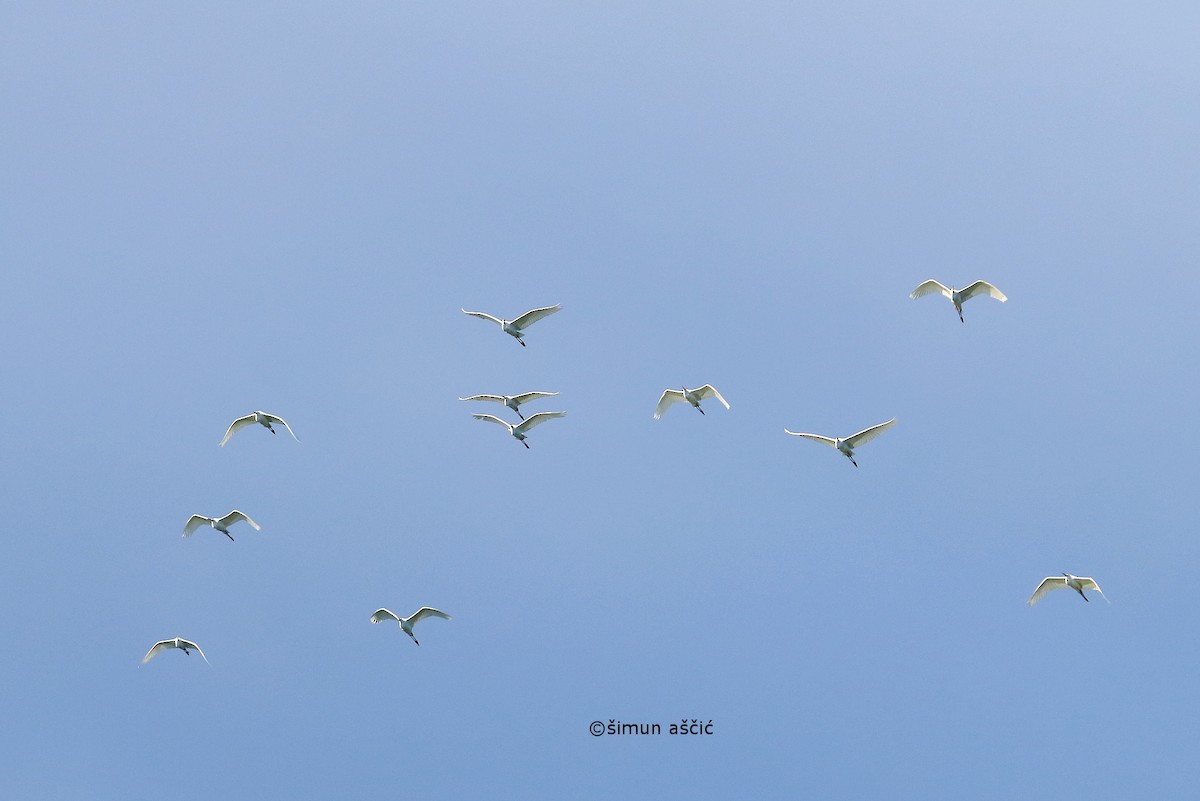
516	329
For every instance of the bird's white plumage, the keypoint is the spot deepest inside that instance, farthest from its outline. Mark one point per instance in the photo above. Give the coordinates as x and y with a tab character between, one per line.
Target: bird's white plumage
868	434
692	396
1065	581
957	296
407	623
830	441
512	401
533	315
515	328
219	523
847	444
983	288
175	642
928	288
521	429
262	418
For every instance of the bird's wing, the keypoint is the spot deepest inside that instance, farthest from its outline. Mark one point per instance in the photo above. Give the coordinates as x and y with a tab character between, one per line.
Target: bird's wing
537	419
868	434
235	516
492	419
191	644
928	288
497	398
830	441
424	612
484	316
1048	583
236	426
533	315
708	391
669	396
982	288
526	397
158	646
275	419
194	522
1090	584
384	614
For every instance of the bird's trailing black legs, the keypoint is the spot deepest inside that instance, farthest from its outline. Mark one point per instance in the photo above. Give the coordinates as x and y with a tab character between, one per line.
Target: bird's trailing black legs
526	444
227	534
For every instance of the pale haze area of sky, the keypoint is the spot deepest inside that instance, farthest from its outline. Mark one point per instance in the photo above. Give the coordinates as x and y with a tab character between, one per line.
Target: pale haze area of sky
212	208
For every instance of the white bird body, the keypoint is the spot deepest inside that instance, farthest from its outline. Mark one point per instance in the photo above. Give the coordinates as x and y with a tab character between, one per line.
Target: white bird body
407	623
516	328
263	419
847	444
175	642
521	429
512	401
221	524
1077	583
958	296
692	396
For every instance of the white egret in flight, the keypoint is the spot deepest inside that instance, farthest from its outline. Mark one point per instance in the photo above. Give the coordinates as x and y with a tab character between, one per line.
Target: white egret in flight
1077	583
520	429
221	524
407	623
848	444
958	296
177	642
692	396
263	419
516	328
512	401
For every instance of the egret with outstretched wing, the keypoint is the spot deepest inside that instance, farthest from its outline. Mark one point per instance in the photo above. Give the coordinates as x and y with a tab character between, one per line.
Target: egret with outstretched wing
848	444
263	419
958	296
1077	583
407	623
692	396
175	642
521	429
512	401
221	524
516	328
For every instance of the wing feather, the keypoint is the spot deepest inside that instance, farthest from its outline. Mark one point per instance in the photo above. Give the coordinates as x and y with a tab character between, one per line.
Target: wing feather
868	434
424	612
830	441
928	288
191	644
1090	584
982	288
537	419
235	516
382	614
1048	584
484	316
669	396
533	315
709	391
194	522
236	426
154	649
497	398
491	418
275	419
526	397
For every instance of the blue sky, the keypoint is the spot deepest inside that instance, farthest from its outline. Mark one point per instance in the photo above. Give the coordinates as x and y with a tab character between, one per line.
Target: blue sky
213	209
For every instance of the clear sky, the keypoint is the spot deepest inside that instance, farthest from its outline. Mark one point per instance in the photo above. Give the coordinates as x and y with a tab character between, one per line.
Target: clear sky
209	208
